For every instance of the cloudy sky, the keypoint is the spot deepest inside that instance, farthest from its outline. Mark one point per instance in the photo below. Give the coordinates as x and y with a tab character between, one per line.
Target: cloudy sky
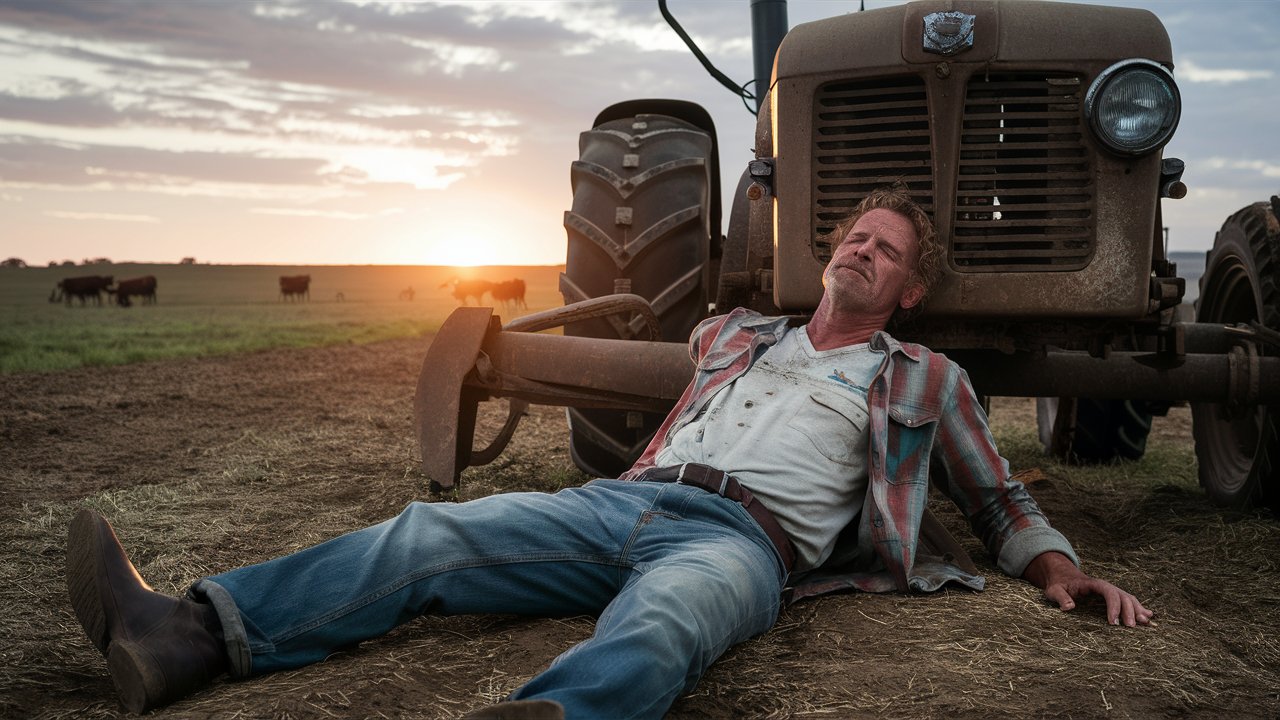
329	131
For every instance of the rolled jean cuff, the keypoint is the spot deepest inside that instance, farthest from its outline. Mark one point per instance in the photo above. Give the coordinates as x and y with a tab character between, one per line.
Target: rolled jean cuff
233	633
1022	548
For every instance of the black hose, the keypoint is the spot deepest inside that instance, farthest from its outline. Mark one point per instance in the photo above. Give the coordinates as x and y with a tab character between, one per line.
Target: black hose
739	90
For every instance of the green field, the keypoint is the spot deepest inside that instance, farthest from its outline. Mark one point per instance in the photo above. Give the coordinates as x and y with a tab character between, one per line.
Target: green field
216	309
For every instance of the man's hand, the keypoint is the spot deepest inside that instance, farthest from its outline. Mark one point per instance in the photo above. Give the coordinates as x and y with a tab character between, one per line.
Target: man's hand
1063	583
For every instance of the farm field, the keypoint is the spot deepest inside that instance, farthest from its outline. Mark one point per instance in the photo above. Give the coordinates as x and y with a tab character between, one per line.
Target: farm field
208	463
218	309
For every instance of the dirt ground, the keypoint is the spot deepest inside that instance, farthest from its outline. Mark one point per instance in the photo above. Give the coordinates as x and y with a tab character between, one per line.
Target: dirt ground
204	465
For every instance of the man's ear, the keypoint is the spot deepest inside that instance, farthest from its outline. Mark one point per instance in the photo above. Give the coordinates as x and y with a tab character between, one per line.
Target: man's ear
912	295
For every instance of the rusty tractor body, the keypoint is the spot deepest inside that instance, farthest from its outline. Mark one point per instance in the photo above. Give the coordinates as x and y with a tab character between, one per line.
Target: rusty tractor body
1033	134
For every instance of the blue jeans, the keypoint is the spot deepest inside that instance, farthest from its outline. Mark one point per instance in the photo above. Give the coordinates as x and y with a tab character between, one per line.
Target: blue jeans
676	575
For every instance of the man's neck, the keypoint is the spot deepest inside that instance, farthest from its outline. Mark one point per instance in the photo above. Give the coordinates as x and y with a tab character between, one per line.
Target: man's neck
827	331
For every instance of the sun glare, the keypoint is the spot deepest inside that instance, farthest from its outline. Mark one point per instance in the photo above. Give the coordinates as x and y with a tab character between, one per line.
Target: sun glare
462	254
473	231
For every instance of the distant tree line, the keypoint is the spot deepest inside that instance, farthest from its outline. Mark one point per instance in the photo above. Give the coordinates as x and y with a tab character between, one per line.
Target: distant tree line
17	262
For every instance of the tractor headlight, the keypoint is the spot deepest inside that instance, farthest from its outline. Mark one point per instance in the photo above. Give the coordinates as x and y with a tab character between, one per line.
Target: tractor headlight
1133	106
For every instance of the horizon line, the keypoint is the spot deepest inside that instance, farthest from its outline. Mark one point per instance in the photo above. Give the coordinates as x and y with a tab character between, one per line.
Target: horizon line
276	264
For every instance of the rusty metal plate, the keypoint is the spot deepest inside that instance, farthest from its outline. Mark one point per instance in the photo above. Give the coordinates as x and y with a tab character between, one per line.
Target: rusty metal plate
438	403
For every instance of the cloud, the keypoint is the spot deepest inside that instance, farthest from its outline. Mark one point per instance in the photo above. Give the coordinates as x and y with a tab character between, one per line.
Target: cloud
84	111
327	214
1262	167
99	216
1189	70
295	74
36	164
35	160
330	109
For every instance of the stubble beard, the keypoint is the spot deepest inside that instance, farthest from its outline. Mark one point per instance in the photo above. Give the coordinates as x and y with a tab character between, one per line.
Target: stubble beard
855	295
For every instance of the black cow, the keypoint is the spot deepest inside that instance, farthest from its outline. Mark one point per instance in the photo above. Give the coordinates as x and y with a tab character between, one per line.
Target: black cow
463	289
143	287
294	287
510	293
84	288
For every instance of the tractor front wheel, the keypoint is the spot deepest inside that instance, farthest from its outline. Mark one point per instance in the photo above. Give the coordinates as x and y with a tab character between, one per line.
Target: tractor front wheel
1237	447
1093	430
640	224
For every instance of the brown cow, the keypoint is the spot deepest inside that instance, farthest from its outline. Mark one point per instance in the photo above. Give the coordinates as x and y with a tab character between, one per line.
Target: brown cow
463	289
84	287
510	293
143	287
293	287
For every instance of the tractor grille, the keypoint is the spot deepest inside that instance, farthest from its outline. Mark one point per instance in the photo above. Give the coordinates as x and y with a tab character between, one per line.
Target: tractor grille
1024	195
869	133
1024	192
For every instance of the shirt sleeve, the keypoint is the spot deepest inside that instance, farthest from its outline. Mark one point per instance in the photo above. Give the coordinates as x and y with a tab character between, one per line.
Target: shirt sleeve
974	475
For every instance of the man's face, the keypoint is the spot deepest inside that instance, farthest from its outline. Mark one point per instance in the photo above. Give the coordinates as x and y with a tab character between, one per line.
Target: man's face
871	270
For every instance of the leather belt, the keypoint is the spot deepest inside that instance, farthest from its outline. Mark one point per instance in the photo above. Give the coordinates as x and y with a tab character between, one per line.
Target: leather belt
727	486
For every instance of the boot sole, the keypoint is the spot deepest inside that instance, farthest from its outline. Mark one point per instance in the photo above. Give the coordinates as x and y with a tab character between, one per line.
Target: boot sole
82	547
137	677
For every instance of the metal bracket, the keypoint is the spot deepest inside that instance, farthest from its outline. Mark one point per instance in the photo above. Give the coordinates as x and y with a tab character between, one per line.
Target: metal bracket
1244	381
457	375
1171	185
444	408
515	410
761	172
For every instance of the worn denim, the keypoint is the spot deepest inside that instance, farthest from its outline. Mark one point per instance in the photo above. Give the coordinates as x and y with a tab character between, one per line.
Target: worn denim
676	575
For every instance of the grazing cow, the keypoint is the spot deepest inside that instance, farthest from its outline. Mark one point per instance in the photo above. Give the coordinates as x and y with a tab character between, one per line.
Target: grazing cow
407	293
84	287
293	287
143	287
510	293
463	289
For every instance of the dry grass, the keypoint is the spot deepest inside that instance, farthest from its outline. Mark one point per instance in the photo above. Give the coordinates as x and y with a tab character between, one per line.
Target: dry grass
256	456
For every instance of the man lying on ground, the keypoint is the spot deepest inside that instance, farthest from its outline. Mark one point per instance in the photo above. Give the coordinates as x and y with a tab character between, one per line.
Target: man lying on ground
799	457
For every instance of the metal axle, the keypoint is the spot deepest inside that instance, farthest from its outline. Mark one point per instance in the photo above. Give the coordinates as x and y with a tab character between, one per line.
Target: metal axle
473	359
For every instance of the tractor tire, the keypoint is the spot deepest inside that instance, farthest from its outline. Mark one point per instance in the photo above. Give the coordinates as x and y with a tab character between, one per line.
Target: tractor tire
641	224
1091	431
1237	448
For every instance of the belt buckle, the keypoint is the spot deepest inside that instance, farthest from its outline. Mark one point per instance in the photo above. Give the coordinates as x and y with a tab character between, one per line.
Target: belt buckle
724	483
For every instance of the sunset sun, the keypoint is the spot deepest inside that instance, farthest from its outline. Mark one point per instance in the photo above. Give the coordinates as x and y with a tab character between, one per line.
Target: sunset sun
461	253
469	238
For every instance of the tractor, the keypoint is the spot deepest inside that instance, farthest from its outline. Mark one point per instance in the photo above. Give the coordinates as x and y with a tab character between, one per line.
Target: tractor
1032	132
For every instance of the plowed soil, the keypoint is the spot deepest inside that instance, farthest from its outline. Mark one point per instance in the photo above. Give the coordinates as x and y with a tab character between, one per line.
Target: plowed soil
205	465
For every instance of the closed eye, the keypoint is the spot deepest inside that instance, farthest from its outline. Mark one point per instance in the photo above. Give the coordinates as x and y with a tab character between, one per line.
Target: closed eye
857	239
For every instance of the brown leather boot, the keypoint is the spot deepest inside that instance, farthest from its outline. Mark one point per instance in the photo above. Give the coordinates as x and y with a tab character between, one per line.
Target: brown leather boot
518	710
158	648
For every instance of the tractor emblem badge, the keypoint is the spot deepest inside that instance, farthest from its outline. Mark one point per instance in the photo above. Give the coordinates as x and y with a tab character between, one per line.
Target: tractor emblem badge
947	33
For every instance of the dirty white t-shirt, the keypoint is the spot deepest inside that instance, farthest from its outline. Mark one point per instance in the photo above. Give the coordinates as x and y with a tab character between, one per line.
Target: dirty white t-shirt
793	429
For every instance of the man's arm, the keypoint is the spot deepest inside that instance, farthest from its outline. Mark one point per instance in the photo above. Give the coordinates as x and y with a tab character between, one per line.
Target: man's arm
1064	583
1008	520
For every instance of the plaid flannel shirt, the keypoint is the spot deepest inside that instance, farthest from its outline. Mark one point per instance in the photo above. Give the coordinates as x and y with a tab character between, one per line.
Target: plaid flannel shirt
925	419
